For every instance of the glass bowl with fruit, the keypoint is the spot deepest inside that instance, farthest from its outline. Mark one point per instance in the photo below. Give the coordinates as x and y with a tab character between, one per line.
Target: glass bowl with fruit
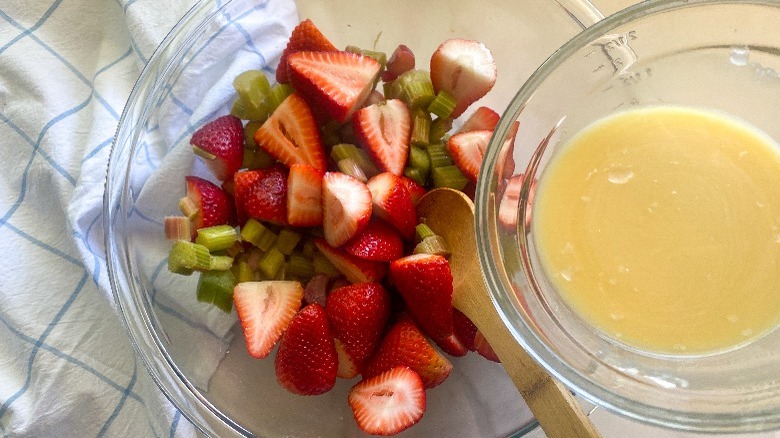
261	234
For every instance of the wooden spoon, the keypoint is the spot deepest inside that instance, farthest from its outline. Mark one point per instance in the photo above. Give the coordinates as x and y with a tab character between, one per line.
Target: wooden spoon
450	214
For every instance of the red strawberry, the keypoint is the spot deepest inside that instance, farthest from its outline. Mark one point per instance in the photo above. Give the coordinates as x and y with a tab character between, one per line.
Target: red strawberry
358	315
465	69
265	308
452	345
402	60
388	403
393	203
304	196
291	135
465	330
416	191
483	118
509	207
506	156
425	283
305	36
467	150
346	207
347	368
262	193
484	349
405	345
378	242
220	143
339	82
210	204
306	362
384	131
355	269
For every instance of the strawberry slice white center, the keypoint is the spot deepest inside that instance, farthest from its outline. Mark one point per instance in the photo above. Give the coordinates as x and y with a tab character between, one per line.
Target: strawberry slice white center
346	207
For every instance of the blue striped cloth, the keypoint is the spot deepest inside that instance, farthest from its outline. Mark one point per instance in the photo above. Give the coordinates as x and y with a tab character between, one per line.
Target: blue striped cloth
67	368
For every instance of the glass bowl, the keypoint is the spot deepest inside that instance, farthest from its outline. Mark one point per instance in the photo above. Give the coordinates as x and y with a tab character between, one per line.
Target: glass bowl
719	55
196	353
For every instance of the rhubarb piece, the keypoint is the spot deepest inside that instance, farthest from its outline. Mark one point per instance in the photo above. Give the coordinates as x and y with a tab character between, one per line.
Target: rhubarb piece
177	227
216	287
186	257
217	238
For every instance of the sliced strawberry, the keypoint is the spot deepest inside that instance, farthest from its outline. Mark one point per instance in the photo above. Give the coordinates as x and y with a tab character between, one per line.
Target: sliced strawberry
355	269
483	118
393	203
316	290
304	196
306	362
452	345
405	345
378	242
484	349
339	82
425	283
384	131
262	193
358	315
467	150
464	69
220	143
509	207
402	60
416	191
465	330
291	135
506	156
347	368
388	403
375	97
305	36
265	309
211	205
346	207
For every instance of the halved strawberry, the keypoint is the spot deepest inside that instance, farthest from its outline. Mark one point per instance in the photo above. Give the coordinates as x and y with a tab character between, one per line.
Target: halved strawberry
291	135
358	315
467	150
465	330
220	143
347	368
405	345
393	202
506	156
384	131
465	69
346	207
355	269
388	403
425	283
305	36
509	207
210	204
304	196
339	82
483	118
484	349
306	362
416	191
262	193
452	345
378	242
265	308
402	60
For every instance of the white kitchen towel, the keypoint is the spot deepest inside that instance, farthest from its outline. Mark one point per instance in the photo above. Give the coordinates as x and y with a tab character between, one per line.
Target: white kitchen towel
67	67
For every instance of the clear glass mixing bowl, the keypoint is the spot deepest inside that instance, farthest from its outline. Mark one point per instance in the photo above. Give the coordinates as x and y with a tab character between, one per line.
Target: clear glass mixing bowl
721	55
195	353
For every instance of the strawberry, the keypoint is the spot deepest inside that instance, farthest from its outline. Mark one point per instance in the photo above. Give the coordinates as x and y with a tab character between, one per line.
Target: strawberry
416	191
290	134
347	368
211	205
358	314
405	345
452	345
425	283
338	82
305	36
483	118
393	203
262	193
306	362
346	207
388	403
265	308
378	242
402	60
465	330
465	69
355	269
220	143
506	156
484	349
467	150
304	196
509	207
384	131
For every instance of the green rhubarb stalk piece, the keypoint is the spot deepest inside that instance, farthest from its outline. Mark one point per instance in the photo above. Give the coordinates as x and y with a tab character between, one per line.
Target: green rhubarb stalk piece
323	266
276	96
438	155
188	207
442	105
449	176
414	87
419	159
343	151
252	87
421	129
300	267
417	175
435	245
258	235
271	262
287	241
217	238
216	287
422	231
220	263
439	128
348	166
186	256
243	272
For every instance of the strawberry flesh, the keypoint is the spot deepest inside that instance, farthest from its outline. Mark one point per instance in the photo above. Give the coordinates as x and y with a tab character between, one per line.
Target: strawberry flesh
483	118
304	196
305	36
377	242
265	309
465	69
393	202
384	131
467	150
355	269
346	207
215	207
262	193
484	349
389	403
465	330
222	138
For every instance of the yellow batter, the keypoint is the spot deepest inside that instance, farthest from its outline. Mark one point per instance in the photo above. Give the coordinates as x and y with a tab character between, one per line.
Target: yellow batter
661	227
